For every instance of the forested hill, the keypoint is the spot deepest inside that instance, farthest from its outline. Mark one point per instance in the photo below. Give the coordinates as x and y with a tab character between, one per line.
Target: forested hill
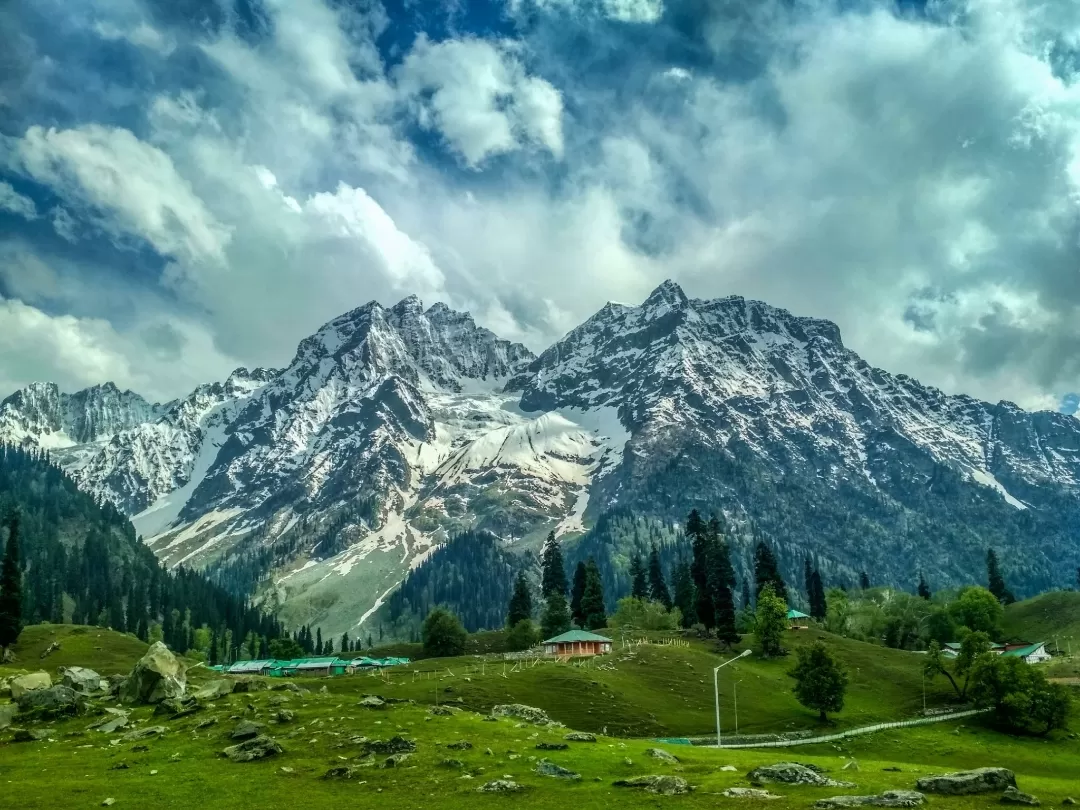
83	563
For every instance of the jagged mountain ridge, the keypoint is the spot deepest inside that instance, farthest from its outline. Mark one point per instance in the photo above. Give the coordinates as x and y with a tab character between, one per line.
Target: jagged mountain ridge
393	428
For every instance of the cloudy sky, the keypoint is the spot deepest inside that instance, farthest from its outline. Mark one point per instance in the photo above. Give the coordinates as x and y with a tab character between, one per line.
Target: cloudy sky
188	186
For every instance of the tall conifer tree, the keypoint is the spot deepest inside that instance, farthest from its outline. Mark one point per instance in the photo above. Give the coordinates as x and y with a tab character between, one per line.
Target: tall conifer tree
553	567
11	600
520	607
658	589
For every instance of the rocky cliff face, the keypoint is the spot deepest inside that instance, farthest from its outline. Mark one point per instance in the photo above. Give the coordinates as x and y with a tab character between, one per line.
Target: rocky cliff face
393	429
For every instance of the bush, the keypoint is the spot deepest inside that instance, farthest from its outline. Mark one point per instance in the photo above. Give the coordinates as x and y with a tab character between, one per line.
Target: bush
642	614
522	636
442	634
1019	694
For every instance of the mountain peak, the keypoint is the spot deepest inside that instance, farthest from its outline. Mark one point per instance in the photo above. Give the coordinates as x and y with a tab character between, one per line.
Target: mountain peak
668	293
410	305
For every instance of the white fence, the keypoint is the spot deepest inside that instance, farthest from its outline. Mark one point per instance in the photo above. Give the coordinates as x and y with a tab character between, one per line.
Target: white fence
921	721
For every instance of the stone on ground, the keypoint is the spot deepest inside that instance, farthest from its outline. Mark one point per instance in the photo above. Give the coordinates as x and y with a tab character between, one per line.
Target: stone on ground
176	707
890	798
54	701
372	702
143	733
792	773
215	690
7	714
1014	796
962	783
395	745
30	735
21	684
529	714
500	786
749	793
546	767
84	681
662	785
114	720
551	746
661	754
580	736
257	748
441	711
158	675
246	730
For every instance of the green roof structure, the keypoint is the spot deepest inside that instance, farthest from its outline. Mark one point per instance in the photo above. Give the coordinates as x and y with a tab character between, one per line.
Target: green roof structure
796	614
1023	652
572	636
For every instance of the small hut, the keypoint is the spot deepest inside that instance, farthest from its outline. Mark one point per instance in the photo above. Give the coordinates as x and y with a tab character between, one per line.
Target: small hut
577	642
797	620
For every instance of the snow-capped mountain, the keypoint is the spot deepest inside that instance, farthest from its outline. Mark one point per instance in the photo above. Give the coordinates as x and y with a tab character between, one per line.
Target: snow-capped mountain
392	429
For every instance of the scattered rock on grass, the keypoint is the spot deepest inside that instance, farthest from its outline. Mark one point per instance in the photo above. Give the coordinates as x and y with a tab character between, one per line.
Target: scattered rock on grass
339	773
792	773
962	783
284	716
246	730
1014	796
580	736
550	746
21	684
500	786
395	745
749	793
209	721
546	767
114	720
158	675
452	763
84	681
460	745
729	768
177	707
7	714
529	714
890	798
662	785
144	733
215	690
54	701
441	711
108	802
661	754
394	760
372	702
257	748
29	735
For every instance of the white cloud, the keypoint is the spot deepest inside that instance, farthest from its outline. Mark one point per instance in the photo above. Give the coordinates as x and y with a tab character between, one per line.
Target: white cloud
128	186
140	34
478	95
634	11
16	203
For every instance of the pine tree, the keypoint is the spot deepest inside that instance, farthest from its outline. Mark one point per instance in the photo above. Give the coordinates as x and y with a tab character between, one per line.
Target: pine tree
818	604
996	582
658	589
520	607
746	605
704	539
553	567
556	617
318	641
580	577
11	599
924	589
346	643
808	577
592	600
639	586
767	572
864	581
721	585
213	655
684	593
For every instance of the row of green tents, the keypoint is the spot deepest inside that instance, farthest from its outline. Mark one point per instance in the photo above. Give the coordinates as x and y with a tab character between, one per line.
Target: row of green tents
307	666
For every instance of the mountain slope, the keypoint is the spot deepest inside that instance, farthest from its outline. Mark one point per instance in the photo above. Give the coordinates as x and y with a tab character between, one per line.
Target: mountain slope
321	486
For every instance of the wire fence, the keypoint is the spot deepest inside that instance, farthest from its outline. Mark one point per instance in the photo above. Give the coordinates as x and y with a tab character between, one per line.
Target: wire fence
855	732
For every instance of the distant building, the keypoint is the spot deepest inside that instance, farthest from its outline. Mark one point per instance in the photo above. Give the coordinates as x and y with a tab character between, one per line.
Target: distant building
1032	653
577	642
248	667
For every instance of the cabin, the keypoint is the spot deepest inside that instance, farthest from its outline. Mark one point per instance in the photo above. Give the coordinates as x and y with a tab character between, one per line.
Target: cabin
1031	653
249	667
576	642
363	663
797	620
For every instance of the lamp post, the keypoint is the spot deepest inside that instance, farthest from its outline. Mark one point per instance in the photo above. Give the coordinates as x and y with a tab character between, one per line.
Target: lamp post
735	700
716	689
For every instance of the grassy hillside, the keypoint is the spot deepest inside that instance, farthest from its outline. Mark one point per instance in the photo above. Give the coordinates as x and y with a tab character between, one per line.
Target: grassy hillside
1054	618
110	652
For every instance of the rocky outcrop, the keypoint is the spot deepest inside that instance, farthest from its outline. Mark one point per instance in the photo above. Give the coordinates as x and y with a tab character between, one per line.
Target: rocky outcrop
792	773
1014	796
890	798
546	767
21	684
580	736
158	675
663	785
521	712
246	730
256	748
84	681
500	786
662	755
962	783
56	701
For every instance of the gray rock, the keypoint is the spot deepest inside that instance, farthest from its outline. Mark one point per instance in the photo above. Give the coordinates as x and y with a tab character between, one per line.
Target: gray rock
30	735
749	793
662	785
248	684
529	714
158	675
441	711
215	690
962	783
550	746
1014	796
1068	800
114	720
22	684
394	760
8	656
84	681
850	765
176	707
546	767
7	714
284	716
256	748
792	773
580	736
55	701
661	754
395	745
209	721
460	745
890	798
452	763
729	769
246	730
372	702
143	733
341	773
500	786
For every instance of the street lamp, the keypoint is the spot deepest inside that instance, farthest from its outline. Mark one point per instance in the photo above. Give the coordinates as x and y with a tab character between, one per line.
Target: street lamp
735	696
716	689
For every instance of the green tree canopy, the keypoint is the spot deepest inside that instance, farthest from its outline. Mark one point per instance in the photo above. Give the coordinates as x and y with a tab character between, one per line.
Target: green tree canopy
556	617
553	567
443	635
11	603
820	682
520	607
767	572
580	578
978	609
522	636
1019	694
639	585
592	600
283	649
770	622
658	589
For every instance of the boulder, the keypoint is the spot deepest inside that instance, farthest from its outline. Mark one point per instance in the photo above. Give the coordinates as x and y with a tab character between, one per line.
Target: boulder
1014	796
284	716
114	720
551	746
500	786
372	702
546	767
580	736
749	793
248	684
8	656
394	760
256	748
50	649
792	773
662	785
460	745
457	764
246	730
7	714
56	701
30	735
662	755
527	713
158	675
176	707
215	690
890	798
21	684
395	745
82	680
209	721
441	711
342	772
143	733
962	783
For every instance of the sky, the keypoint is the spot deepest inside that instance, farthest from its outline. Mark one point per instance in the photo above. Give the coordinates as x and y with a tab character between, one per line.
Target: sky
187	186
